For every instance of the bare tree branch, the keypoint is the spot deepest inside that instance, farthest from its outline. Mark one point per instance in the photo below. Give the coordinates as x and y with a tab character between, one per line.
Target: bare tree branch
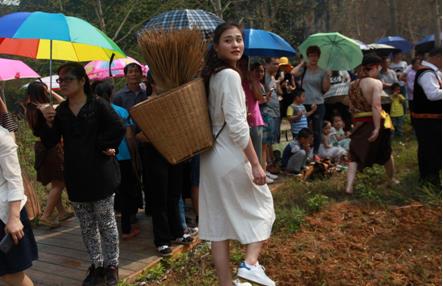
136	26
226	6
124	21
60	3
99	13
130	31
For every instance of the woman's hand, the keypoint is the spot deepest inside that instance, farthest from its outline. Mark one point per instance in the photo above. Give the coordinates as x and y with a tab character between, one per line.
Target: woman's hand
48	112
109	152
258	174
15	229
374	135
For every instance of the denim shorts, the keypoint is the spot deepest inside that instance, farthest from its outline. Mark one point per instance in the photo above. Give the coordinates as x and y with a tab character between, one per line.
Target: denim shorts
271	129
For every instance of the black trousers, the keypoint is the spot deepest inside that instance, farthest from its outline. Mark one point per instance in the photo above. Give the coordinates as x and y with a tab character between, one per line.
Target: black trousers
166	184
428	133
126	196
143	149
316	119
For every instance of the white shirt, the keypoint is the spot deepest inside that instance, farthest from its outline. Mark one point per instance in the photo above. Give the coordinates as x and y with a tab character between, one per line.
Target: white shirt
429	82
11	183
398	67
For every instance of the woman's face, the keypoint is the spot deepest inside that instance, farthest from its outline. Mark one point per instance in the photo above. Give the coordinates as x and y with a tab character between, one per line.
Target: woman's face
259	73
69	84
230	47
313	59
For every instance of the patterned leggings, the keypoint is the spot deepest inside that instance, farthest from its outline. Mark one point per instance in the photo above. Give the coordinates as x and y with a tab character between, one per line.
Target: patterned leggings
97	223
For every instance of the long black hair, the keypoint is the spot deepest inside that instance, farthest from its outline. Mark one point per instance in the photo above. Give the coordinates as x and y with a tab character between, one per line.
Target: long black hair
79	72
103	89
213	64
37	94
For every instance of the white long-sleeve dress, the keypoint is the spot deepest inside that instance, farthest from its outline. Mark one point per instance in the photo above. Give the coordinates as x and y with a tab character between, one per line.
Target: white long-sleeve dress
231	206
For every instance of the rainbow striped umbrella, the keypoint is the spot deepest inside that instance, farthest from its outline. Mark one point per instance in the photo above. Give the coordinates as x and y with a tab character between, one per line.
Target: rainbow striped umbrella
30	34
41	35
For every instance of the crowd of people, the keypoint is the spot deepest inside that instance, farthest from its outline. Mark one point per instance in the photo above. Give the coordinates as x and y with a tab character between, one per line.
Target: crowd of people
89	145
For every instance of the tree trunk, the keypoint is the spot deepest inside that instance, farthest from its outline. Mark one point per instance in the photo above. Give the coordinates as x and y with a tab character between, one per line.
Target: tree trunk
60	3
393	16
99	12
437	17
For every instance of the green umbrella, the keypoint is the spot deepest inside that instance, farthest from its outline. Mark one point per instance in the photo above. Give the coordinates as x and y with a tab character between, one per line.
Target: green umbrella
338	52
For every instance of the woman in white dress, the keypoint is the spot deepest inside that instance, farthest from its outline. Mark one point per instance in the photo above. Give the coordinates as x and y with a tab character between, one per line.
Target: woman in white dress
235	202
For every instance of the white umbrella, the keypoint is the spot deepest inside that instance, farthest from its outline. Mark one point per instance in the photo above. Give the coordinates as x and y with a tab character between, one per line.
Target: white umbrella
46	80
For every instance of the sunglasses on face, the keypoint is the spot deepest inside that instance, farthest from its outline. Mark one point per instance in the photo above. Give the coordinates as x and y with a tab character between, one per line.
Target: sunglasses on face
67	79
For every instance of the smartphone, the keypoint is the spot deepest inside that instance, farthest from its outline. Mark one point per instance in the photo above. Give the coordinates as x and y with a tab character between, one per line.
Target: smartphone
6	243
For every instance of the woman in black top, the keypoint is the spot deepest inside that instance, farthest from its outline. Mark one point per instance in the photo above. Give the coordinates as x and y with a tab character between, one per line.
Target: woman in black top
91	132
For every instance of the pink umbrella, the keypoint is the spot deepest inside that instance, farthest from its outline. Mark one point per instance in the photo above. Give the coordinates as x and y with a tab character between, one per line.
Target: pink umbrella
14	69
99	70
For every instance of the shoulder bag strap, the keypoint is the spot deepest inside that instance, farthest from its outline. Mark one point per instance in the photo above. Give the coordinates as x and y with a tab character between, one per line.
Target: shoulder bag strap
220	131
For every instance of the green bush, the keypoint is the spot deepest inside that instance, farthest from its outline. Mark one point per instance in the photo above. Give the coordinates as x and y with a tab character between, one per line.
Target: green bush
316	202
289	219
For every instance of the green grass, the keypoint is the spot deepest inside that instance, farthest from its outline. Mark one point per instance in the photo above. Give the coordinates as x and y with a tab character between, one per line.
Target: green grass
25	141
295	199
292	202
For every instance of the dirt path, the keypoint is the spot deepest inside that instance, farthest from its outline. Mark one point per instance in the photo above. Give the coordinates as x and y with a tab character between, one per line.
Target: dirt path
349	244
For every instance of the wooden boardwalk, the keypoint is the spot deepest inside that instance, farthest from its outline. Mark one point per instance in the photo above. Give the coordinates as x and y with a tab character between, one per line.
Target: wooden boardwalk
63	260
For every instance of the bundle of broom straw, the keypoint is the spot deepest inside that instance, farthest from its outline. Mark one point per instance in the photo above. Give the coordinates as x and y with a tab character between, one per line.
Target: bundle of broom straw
174	56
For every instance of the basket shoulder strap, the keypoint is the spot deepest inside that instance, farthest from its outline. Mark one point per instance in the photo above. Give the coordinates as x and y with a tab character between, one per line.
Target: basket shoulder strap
220	131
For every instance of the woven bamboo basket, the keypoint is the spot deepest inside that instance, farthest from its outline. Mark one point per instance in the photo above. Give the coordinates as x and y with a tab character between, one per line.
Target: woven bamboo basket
177	122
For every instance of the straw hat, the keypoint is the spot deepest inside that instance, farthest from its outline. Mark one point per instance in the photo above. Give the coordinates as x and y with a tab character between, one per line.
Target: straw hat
284	62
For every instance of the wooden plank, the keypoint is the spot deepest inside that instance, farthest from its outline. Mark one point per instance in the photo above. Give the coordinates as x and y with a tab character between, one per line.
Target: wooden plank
44	279
81	258
82	263
82	254
63	259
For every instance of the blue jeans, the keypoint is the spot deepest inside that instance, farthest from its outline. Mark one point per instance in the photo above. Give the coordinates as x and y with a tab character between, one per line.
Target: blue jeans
398	125
257	138
181	210
317	124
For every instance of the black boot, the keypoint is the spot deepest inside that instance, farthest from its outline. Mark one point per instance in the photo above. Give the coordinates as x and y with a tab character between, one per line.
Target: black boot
96	276
111	274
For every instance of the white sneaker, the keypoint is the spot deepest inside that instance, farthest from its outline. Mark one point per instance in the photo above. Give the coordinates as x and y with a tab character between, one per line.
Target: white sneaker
237	282
254	274
269	180
271	176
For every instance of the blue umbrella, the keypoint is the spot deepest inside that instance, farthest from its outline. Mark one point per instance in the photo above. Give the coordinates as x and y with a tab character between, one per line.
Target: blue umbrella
426	39
398	42
426	44
262	43
202	20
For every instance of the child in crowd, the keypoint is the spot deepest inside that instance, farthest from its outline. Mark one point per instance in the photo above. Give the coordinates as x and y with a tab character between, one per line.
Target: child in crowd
297	152
397	109
297	115
326	150
338	137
